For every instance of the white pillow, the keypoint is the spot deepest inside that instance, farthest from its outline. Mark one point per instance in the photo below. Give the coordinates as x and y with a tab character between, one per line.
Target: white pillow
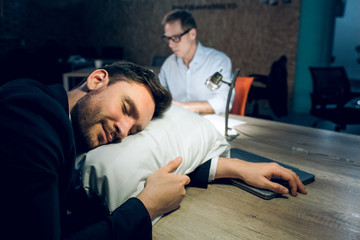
119	171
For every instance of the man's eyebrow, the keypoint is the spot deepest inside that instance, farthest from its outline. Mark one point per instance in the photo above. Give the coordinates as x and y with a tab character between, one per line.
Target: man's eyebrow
132	110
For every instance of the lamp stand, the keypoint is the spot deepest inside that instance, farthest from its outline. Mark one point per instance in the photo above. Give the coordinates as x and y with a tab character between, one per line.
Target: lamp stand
231	87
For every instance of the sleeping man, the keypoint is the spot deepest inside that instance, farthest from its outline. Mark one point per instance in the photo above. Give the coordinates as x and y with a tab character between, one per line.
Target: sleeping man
119	171
43	128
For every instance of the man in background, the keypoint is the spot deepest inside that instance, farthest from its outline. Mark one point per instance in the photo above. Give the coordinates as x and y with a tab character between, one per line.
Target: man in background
184	72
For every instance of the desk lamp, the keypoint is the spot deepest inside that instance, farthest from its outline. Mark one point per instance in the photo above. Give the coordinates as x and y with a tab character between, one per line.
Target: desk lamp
213	83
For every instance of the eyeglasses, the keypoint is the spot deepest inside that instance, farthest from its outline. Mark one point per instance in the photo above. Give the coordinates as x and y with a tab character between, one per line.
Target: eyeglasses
175	38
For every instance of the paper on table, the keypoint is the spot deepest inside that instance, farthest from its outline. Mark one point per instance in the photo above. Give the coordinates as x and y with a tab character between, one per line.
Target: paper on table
219	123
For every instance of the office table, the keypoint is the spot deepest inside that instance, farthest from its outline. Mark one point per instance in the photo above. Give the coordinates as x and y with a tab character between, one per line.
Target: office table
330	210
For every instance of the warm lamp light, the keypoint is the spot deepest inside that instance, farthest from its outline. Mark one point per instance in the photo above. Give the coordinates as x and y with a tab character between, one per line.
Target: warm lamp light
213	83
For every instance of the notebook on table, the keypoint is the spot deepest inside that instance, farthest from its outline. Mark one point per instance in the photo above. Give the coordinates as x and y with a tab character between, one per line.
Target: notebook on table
305	177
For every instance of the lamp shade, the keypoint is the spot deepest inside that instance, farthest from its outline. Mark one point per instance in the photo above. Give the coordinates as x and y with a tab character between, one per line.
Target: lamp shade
214	82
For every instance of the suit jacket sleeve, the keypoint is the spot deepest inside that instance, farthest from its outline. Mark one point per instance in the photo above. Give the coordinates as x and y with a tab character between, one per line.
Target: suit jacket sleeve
37	152
199	177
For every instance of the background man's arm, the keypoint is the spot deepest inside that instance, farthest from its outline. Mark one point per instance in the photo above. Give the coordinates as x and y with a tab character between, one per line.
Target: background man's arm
202	107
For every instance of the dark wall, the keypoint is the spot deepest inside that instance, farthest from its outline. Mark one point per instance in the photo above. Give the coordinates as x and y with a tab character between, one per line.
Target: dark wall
251	33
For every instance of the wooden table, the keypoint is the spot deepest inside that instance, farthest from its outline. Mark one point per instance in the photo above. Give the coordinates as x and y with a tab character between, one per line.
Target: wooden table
330	210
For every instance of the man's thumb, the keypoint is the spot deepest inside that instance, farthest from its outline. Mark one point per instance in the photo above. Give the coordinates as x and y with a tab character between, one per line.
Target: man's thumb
173	164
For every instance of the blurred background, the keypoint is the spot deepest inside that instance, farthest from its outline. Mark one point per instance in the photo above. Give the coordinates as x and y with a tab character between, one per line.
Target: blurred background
44	39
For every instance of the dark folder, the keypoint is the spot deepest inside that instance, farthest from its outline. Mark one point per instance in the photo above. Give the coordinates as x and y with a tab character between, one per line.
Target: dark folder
305	177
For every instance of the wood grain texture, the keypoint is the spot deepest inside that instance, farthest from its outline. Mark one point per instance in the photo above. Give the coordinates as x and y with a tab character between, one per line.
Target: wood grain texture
330	210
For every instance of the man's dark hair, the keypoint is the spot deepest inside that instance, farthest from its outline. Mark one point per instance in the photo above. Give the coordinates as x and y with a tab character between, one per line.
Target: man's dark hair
127	71
186	18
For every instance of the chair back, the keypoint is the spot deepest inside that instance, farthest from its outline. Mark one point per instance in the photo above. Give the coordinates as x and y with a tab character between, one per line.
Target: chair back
330	97
277	87
273	87
242	87
330	85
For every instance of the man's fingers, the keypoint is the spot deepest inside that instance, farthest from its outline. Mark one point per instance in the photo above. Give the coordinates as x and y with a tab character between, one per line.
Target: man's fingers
186	179
293	180
300	187
276	187
172	165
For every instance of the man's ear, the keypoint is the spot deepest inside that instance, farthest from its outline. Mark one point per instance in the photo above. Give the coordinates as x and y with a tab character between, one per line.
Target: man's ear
193	33
97	79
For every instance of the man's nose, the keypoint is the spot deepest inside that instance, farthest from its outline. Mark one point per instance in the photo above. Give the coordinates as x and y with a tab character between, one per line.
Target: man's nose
124	126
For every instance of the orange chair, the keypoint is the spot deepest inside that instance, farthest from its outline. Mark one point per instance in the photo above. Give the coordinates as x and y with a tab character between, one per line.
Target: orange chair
242	87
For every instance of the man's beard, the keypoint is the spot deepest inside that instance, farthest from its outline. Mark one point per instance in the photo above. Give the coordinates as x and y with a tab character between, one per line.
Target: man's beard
83	117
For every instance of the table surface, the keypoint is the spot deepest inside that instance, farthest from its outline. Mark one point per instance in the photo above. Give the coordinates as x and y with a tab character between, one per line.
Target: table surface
330	210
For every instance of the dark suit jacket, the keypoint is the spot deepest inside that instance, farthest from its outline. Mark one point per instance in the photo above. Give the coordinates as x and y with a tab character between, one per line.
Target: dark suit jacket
37	154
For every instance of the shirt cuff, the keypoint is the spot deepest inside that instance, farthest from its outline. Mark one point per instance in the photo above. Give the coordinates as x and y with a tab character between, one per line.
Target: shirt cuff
213	167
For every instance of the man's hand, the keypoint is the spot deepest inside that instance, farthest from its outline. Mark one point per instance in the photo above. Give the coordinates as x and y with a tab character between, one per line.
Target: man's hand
164	190
260	175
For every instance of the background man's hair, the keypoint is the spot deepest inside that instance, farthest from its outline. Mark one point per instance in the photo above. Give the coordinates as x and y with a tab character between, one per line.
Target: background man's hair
186	18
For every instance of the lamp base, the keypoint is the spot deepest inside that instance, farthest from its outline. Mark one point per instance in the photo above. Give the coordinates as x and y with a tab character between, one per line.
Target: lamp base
231	137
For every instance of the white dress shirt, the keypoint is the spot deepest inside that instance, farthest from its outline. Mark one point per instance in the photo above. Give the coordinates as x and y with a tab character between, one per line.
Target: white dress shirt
187	84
